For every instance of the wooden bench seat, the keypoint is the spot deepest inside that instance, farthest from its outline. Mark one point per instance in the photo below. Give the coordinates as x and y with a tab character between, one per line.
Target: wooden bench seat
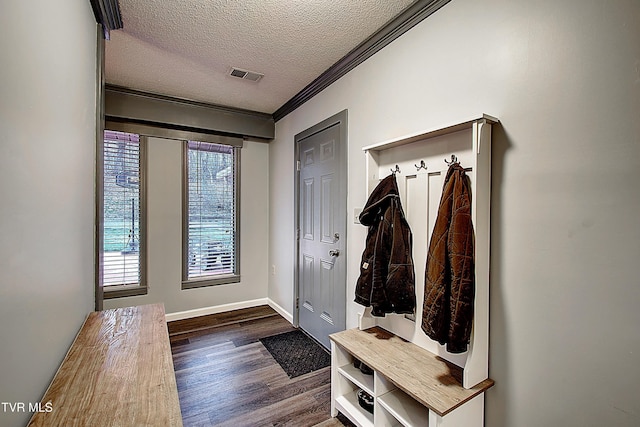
118	372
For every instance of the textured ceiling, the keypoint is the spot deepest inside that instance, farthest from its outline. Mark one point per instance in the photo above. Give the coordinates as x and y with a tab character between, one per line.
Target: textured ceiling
186	48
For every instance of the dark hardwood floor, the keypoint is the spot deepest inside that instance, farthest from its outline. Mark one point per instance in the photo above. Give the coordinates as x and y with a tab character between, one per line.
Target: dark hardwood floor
226	377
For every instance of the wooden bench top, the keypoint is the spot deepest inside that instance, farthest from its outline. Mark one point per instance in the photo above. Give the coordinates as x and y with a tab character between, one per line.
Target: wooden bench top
427	378
118	372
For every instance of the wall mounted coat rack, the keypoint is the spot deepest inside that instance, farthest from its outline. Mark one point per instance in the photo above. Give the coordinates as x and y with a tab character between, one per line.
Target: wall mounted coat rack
394	394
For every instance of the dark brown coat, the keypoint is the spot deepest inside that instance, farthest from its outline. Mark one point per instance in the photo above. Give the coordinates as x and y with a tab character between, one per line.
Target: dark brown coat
447	313
387	278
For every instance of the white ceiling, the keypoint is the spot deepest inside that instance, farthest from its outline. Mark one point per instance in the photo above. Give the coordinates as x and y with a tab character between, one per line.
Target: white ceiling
186	48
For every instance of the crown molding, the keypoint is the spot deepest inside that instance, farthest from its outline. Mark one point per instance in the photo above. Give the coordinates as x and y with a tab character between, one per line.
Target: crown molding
402	23
107	13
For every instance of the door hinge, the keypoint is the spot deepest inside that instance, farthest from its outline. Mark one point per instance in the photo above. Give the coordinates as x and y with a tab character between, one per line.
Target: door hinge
297	303
298	165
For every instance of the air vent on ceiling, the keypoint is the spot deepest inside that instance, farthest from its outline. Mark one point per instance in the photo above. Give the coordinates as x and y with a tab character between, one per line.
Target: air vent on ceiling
245	74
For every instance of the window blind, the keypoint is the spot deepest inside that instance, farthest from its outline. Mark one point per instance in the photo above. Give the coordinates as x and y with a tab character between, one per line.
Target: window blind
121	204
212	209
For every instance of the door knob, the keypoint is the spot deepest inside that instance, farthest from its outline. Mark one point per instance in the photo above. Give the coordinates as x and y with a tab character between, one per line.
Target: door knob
334	252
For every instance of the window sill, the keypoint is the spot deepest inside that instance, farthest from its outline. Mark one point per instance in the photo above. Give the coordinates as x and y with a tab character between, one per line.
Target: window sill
210	281
121	291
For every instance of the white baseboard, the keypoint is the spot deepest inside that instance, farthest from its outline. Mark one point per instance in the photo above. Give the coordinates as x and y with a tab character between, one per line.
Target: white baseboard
284	313
219	309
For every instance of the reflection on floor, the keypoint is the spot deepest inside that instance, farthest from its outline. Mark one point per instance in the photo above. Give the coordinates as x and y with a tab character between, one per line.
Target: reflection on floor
226	377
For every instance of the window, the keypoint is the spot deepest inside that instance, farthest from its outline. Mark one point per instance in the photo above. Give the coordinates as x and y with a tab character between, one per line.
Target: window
210	247
123	217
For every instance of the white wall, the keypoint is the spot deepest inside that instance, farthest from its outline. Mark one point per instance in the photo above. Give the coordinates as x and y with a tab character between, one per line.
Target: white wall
563	79
47	164
164	210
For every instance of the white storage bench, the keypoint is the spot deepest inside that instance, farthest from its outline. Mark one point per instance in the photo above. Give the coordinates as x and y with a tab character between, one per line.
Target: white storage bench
410	385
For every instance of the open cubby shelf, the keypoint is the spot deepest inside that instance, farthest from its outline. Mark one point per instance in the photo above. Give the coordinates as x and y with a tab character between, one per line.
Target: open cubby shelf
408	382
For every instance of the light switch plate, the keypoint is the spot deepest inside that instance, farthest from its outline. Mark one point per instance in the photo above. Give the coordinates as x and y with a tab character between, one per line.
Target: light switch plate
356	215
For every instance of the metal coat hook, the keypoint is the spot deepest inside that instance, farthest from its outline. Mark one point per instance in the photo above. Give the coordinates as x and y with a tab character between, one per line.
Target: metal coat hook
396	170
421	166
454	160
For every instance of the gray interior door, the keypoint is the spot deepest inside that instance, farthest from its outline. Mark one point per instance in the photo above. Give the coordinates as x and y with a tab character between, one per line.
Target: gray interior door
321	231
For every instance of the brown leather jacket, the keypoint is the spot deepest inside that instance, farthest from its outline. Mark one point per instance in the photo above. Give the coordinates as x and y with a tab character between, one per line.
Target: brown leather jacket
447	313
387	280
